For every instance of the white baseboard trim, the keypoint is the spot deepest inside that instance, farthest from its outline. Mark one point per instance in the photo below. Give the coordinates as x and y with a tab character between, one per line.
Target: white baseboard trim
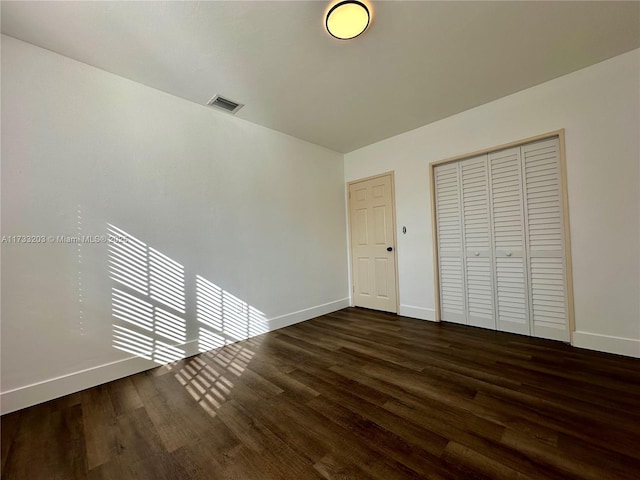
39	392
307	314
418	312
605	343
28	395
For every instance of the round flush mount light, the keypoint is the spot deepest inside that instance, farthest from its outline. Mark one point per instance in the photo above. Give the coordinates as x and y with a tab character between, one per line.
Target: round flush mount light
347	19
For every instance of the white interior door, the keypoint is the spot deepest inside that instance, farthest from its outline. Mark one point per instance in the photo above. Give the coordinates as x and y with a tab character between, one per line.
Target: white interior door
478	251
453	298
373	256
546	255
508	229
501	238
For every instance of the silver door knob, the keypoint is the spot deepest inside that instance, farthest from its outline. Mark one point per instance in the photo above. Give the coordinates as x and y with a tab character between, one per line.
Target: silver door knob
477	254
508	254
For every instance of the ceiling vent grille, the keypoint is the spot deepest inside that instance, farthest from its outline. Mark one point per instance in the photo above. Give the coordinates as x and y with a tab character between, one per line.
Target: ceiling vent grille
225	104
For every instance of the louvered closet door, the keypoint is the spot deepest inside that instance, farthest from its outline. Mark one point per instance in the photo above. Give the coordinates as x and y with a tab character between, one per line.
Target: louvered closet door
546	256
449	235
477	242
508	229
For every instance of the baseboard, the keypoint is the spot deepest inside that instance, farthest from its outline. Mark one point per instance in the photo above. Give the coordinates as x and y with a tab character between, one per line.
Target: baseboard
418	312
605	343
33	394
307	314
29	395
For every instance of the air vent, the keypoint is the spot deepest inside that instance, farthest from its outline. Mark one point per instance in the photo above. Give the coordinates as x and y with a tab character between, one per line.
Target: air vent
225	104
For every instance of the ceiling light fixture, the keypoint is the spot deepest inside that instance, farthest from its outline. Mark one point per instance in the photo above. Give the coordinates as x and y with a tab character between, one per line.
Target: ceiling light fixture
347	19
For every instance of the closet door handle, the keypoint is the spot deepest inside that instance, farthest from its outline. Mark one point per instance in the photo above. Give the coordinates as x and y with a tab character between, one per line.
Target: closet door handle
477	254
508	254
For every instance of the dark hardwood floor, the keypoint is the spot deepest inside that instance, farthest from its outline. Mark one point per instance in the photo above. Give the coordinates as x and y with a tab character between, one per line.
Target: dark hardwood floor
355	394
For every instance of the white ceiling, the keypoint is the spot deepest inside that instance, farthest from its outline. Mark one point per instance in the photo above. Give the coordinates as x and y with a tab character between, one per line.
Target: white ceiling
419	61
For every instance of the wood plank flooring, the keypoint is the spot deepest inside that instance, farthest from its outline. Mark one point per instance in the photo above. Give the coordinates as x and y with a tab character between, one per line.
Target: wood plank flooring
355	394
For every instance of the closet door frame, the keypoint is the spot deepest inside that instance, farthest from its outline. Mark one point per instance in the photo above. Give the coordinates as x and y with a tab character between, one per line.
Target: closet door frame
565	215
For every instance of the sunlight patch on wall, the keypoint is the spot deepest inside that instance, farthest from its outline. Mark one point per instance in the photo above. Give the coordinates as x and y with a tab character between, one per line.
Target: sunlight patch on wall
149	301
131	309
166	280
133	342
170	326
165	353
128	261
224	317
149	307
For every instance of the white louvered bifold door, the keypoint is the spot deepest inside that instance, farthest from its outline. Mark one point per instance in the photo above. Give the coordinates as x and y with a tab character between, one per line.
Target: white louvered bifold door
508	229
546	256
477	242
450	248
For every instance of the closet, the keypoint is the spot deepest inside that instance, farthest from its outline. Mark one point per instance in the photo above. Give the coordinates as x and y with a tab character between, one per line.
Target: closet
500	238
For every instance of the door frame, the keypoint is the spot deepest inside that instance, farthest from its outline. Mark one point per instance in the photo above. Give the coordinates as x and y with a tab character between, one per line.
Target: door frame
395	233
565	216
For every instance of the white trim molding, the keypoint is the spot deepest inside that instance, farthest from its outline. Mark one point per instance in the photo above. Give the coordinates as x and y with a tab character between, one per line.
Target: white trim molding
605	343
420	313
307	314
28	395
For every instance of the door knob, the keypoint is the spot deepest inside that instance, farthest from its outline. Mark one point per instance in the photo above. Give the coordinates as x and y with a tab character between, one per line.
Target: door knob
477	254
389	249
508	254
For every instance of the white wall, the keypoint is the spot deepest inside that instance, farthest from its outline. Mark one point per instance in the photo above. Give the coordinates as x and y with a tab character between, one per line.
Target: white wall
256	212
599	107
